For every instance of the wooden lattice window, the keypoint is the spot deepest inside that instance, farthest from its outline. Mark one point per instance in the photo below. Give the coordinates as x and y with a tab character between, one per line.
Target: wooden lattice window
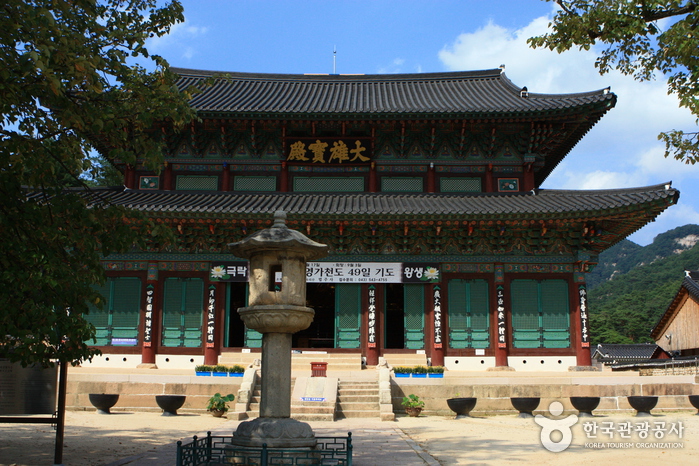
197	183
468	314
116	324
183	309
540	314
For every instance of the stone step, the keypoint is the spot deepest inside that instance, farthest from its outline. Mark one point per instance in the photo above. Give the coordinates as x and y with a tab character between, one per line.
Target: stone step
358	392
373	413
357	398
359	406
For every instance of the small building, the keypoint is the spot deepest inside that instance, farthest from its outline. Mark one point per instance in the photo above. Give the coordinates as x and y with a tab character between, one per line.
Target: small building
677	331
621	354
425	187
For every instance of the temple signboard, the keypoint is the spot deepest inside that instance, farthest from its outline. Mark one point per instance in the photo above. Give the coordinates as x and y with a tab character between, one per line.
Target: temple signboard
328	151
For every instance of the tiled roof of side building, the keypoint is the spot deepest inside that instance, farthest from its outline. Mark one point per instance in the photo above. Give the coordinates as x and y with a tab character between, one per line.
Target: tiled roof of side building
690	285
470	92
557	203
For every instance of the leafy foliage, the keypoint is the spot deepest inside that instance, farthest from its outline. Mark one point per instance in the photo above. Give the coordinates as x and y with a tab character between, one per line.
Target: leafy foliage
641	38
219	403
626	308
66	86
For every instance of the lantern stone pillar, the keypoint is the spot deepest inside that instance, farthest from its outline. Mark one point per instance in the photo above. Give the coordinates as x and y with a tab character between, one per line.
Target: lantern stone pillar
277	309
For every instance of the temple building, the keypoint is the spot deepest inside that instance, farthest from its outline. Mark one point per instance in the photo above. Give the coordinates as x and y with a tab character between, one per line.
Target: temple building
425	187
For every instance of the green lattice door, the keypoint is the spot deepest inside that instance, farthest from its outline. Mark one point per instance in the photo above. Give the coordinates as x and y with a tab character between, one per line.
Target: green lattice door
414	316
183	310
117	321
540	314
468	314
347	315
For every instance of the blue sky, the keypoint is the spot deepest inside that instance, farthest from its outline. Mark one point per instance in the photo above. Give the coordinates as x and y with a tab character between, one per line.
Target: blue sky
411	36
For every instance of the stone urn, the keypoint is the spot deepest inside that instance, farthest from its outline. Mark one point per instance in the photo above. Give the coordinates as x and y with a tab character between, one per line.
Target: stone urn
525	405
585	404
103	401
694	400
643	404
461	406
170	403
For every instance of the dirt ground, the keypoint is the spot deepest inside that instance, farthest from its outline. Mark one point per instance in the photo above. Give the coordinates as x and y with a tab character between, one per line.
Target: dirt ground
93	439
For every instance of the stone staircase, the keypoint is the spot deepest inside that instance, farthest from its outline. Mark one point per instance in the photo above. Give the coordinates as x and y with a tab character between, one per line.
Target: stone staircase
357	399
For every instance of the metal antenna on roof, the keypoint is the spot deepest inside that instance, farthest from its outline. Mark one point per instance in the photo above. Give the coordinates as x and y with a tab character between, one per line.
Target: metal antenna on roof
334	59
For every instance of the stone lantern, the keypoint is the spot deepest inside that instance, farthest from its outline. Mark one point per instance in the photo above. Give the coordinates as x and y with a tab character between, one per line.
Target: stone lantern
277	309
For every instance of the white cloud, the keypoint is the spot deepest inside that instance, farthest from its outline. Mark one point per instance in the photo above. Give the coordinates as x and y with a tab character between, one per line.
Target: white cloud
622	150
175	43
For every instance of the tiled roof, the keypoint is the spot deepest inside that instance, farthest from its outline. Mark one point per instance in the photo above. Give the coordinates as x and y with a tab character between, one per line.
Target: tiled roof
472	92
624	352
557	203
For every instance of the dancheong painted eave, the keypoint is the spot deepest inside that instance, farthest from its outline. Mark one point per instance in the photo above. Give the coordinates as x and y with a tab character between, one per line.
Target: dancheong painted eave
550	203
467	94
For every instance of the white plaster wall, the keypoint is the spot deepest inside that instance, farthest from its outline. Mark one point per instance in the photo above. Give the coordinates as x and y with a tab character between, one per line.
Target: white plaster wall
126	361
180	361
469	363
541	363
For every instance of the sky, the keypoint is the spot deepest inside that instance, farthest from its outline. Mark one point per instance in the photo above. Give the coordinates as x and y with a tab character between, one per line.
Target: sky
427	36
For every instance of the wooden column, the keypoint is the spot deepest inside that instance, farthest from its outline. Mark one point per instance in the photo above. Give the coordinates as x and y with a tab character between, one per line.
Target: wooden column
489	179
167	177
369	296
528	182
373	182
226	178
430	179
501	315
151	316
435	338
580	323
213	314
284	178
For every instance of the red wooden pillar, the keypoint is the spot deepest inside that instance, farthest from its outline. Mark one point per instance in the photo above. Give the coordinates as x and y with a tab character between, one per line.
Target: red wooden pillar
167	177
214	318
489	179
501	315
528	182
580	324
151	316
435	337
129	177
284	181
430	179
226	178
373	182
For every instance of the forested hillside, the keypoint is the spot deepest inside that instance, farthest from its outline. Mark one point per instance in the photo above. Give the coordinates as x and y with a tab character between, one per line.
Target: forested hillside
634	285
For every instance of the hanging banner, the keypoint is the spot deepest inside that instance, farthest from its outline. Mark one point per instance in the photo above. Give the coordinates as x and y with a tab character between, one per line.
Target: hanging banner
437	300
502	337
339	272
210	317
584	331
371	272
372	318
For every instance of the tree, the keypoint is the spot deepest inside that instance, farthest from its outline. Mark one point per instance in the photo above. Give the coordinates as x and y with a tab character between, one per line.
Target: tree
642	38
67	85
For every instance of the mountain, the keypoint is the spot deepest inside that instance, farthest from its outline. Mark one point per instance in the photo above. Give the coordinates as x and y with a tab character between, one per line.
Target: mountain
633	285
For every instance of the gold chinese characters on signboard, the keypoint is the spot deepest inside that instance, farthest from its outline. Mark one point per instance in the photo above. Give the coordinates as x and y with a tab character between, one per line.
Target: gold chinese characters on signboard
328	151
